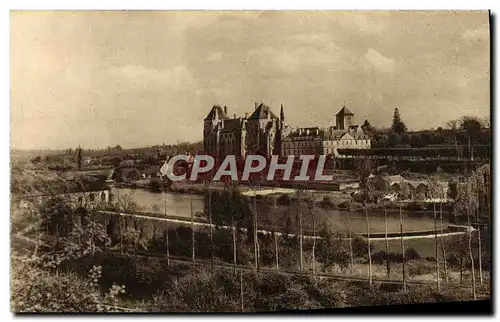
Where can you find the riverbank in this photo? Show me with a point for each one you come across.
(448, 231)
(327, 200)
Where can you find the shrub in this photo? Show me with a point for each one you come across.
(360, 246)
(326, 203)
(411, 254)
(421, 267)
(284, 200)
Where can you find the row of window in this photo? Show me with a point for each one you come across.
(347, 142)
(327, 143)
(297, 144)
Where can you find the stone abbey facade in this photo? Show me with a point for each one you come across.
(265, 133)
(260, 133)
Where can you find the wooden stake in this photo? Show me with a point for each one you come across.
(211, 228)
(351, 253)
(369, 247)
(438, 281)
(314, 240)
(192, 228)
(443, 251)
(470, 253)
(276, 250)
(241, 292)
(388, 264)
(479, 238)
(402, 246)
(166, 220)
(300, 232)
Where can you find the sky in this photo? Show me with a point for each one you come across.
(102, 78)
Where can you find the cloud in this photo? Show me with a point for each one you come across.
(372, 23)
(214, 56)
(177, 77)
(299, 52)
(379, 61)
(276, 59)
(161, 75)
(482, 33)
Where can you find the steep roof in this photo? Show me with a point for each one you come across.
(262, 112)
(345, 111)
(395, 179)
(334, 134)
(357, 132)
(216, 112)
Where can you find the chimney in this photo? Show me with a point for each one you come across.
(246, 115)
(234, 116)
(225, 109)
(256, 105)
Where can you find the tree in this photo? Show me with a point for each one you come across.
(332, 250)
(79, 158)
(405, 139)
(452, 125)
(229, 208)
(416, 141)
(394, 139)
(34, 289)
(472, 126)
(367, 127)
(486, 122)
(36, 159)
(397, 124)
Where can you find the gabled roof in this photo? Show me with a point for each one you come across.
(262, 112)
(334, 134)
(395, 179)
(216, 113)
(357, 132)
(346, 136)
(345, 111)
(417, 183)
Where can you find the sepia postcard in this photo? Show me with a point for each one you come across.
(250, 161)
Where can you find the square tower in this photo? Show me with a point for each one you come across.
(344, 118)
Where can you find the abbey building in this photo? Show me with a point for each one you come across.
(260, 133)
(266, 134)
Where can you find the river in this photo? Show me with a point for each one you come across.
(180, 205)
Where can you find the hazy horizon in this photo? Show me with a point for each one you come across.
(141, 78)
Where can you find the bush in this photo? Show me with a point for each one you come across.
(284, 200)
(360, 246)
(380, 257)
(343, 205)
(326, 203)
(411, 254)
(421, 267)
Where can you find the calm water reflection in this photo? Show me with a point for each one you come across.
(179, 205)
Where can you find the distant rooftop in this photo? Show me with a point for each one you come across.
(216, 113)
(262, 112)
(344, 111)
